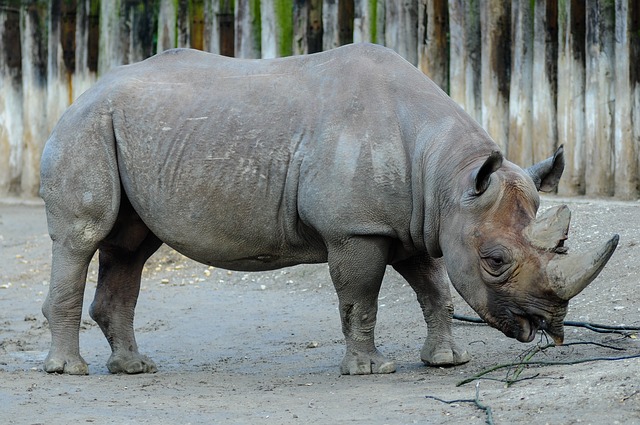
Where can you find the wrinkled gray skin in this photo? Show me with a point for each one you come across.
(351, 157)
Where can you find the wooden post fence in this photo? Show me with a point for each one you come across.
(535, 74)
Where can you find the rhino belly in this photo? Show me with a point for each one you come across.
(220, 202)
(236, 233)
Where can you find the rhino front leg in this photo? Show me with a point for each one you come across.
(122, 256)
(357, 267)
(428, 278)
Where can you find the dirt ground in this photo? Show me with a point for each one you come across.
(264, 348)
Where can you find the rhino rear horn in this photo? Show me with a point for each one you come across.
(550, 229)
(546, 174)
(570, 274)
(483, 175)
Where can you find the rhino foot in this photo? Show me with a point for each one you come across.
(358, 363)
(444, 356)
(72, 365)
(132, 363)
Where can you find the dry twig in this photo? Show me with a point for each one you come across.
(476, 401)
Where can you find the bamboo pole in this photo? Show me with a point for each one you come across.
(86, 47)
(457, 51)
(599, 97)
(226, 27)
(277, 28)
(11, 124)
(330, 25)
(34, 84)
(626, 178)
(183, 25)
(545, 36)
(60, 60)
(247, 29)
(268, 26)
(473, 92)
(464, 41)
(196, 24)
(314, 34)
(520, 149)
(167, 25)
(307, 26)
(127, 32)
(571, 100)
(112, 51)
(381, 21)
(211, 26)
(634, 58)
(301, 27)
(433, 27)
(401, 29)
(364, 21)
(138, 33)
(495, 16)
(345, 21)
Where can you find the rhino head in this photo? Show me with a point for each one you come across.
(493, 237)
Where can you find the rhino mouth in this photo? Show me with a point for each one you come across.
(522, 327)
(528, 327)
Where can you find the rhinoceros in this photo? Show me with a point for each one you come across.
(351, 157)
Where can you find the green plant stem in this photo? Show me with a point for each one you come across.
(543, 363)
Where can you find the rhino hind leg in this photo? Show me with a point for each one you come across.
(428, 278)
(357, 267)
(121, 257)
(63, 309)
(80, 192)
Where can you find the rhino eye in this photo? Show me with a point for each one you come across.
(496, 262)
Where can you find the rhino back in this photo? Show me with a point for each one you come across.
(242, 161)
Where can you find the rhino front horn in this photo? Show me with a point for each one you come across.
(570, 274)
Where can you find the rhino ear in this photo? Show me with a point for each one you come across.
(546, 174)
(483, 175)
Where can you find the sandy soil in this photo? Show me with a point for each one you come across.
(264, 348)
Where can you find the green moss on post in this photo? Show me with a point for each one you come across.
(373, 19)
(226, 7)
(176, 29)
(562, 12)
(196, 18)
(284, 26)
(254, 7)
(94, 8)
